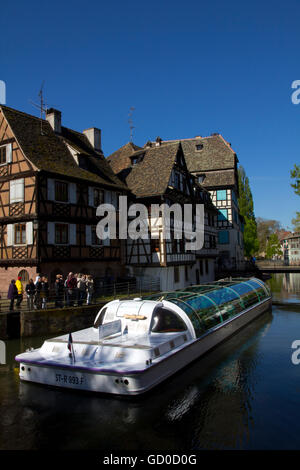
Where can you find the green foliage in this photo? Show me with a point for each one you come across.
(295, 174)
(251, 244)
(246, 206)
(273, 246)
(296, 222)
(265, 228)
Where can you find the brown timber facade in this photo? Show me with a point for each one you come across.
(51, 181)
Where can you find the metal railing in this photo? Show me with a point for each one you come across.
(76, 297)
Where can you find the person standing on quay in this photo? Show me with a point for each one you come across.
(30, 290)
(44, 291)
(19, 286)
(12, 294)
(90, 289)
(59, 291)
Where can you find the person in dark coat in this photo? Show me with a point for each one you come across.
(12, 294)
(44, 291)
(59, 291)
(30, 290)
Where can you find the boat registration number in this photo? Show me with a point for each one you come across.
(69, 379)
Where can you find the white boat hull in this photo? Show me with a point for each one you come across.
(135, 382)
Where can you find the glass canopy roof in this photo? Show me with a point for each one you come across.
(208, 305)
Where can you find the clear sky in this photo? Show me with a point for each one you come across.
(188, 67)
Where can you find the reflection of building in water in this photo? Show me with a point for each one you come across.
(291, 282)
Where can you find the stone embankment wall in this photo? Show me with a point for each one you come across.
(48, 322)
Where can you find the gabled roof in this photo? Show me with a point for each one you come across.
(151, 176)
(216, 153)
(48, 151)
(216, 159)
(119, 160)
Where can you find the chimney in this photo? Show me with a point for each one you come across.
(94, 137)
(53, 116)
(158, 142)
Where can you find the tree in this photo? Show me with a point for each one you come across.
(273, 246)
(296, 222)
(246, 207)
(265, 228)
(295, 174)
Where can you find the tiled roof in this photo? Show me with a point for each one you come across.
(151, 176)
(49, 152)
(219, 178)
(216, 159)
(119, 160)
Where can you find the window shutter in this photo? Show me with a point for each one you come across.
(12, 191)
(9, 153)
(19, 190)
(29, 233)
(51, 233)
(107, 197)
(88, 235)
(51, 190)
(9, 241)
(106, 242)
(91, 196)
(114, 199)
(73, 193)
(72, 234)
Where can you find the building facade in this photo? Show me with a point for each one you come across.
(158, 174)
(213, 162)
(51, 181)
(291, 249)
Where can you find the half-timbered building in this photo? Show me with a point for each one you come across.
(214, 163)
(51, 181)
(157, 174)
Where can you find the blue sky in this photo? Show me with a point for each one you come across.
(189, 68)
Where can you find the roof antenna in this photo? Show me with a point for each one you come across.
(130, 122)
(41, 106)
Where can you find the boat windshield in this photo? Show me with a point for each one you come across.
(165, 321)
(210, 305)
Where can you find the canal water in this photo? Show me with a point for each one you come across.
(243, 395)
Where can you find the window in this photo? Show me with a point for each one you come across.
(20, 234)
(16, 190)
(154, 242)
(61, 234)
(165, 321)
(206, 266)
(61, 191)
(222, 215)
(223, 236)
(221, 195)
(2, 154)
(98, 197)
(199, 146)
(95, 240)
(201, 266)
(201, 178)
(176, 274)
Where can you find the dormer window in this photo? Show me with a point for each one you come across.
(137, 159)
(199, 146)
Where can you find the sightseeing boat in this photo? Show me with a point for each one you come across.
(136, 344)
